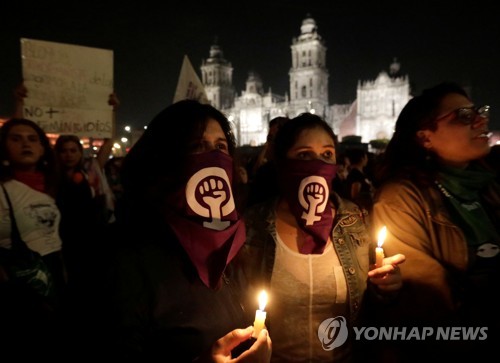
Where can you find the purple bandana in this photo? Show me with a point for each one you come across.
(204, 216)
(306, 185)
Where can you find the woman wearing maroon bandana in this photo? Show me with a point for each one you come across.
(28, 174)
(310, 249)
(174, 291)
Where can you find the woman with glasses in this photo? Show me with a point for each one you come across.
(441, 206)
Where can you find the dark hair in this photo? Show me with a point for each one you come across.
(290, 131)
(62, 140)
(114, 164)
(153, 167)
(356, 155)
(342, 158)
(46, 165)
(278, 121)
(404, 156)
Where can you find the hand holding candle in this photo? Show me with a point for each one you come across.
(260, 315)
(379, 252)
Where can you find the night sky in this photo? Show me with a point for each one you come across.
(433, 40)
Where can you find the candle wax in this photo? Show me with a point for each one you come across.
(258, 324)
(379, 256)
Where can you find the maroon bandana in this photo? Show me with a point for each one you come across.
(204, 218)
(33, 179)
(306, 185)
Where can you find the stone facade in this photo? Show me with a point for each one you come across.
(372, 115)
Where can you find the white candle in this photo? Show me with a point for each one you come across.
(379, 252)
(260, 315)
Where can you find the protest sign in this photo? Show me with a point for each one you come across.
(68, 87)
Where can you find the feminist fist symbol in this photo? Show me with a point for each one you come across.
(316, 191)
(213, 185)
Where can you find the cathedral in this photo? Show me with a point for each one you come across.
(371, 116)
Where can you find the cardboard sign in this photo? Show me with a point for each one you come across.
(68, 87)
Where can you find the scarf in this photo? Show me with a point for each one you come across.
(306, 186)
(462, 189)
(203, 215)
(33, 179)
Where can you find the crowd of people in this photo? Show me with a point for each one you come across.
(163, 253)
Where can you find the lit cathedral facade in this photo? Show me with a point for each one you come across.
(372, 115)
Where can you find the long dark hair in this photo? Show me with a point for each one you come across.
(153, 167)
(404, 156)
(288, 133)
(47, 163)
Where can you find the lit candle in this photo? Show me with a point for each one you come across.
(260, 315)
(379, 252)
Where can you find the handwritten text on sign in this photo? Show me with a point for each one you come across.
(68, 87)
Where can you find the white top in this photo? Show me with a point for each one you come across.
(306, 290)
(37, 218)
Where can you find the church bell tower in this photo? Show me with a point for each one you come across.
(308, 74)
(217, 78)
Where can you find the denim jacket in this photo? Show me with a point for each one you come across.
(350, 238)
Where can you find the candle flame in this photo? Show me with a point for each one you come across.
(262, 300)
(381, 236)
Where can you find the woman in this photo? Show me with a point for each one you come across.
(86, 203)
(309, 249)
(112, 171)
(173, 290)
(442, 209)
(358, 183)
(28, 174)
(85, 200)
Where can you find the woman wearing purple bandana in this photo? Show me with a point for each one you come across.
(174, 294)
(309, 249)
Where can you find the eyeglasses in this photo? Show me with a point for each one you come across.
(467, 115)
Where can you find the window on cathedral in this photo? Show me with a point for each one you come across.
(304, 92)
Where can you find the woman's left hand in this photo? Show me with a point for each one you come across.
(387, 278)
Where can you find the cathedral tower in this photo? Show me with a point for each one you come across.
(217, 78)
(309, 75)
